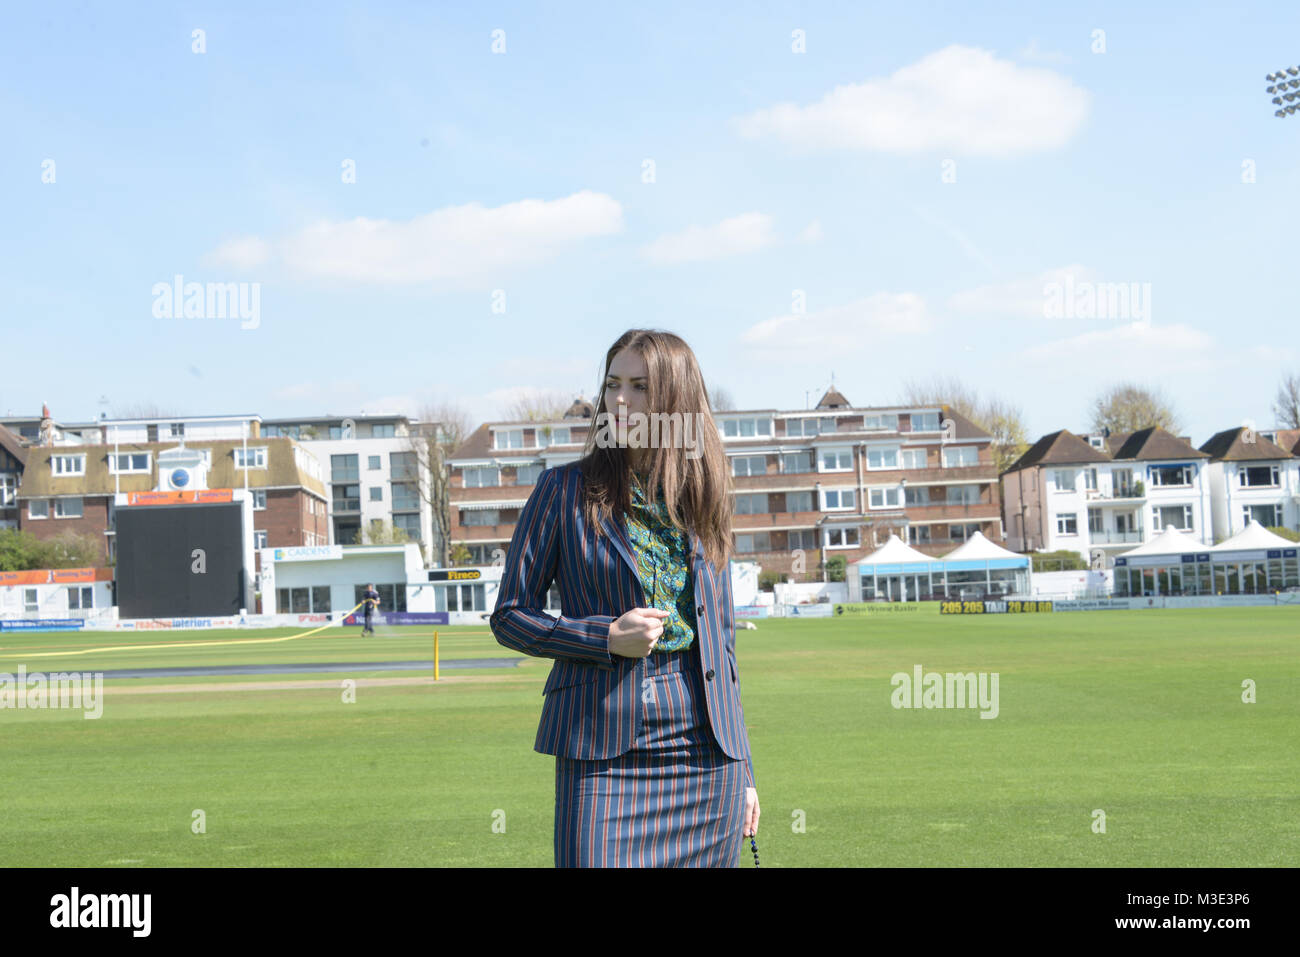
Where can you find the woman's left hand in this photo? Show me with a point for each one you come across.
(751, 812)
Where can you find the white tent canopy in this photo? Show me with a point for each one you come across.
(978, 547)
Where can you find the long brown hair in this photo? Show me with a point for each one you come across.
(697, 491)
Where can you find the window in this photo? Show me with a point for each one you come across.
(509, 439)
(840, 460)
(405, 496)
(887, 421)
(81, 597)
(1257, 476)
(963, 494)
(837, 498)
(38, 508)
(805, 538)
(1095, 525)
(343, 468)
(480, 516)
(1067, 524)
(918, 534)
(67, 508)
(916, 496)
(558, 436)
(259, 499)
(403, 466)
(798, 502)
(320, 597)
(125, 462)
(29, 600)
(963, 532)
(373, 462)
(1179, 516)
(884, 497)
(1090, 479)
(754, 542)
(884, 458)
(463, 598)
(259, 538)
(528, 474)
(336, 432)
(388, 431)
(1266, 515)
(1064, 480)
(754, 504)
(408, 522)
(841, 537)
(253, 458)
(347, 498)
(176, 430)
(68, 464)
(742, 428)
(482, 477)
(377, 494)
(1096, 442)
(792, 462)
(749, 465)
(8, 489)
(809, 426)
(960, 456)
(306, 600)
(1167, 475)
(925, 421)
(913, 459)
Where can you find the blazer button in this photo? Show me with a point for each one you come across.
(700, 609)
(708, 675)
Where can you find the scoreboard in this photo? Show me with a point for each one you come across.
(1007, 606)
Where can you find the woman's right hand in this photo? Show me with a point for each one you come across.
(635, 634)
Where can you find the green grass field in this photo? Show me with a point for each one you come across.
(1138, 714)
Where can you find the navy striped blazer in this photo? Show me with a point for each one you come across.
(593, 698)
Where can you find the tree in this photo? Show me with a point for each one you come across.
(381, 532)
(1286, 407)
(998, 417)
(538, 407)
(720, 400)
(439, 430)
(22, 551)
(1129, 407)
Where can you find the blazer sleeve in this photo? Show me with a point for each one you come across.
(731, 616)
(518, 621)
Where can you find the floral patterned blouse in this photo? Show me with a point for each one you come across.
(663, 563)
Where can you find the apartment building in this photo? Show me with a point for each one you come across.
(78, 484)
(810, 484)
(376, 473)
(1251, 477)
(1102, 494)
(13, 459)
(492, 473)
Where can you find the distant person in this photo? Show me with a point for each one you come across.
(370, 599)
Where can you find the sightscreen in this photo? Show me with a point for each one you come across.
(156, 575)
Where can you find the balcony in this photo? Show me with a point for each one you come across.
(1124, 495)
(342, 505)
(1116, 538)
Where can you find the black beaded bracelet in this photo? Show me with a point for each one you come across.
(753, 845)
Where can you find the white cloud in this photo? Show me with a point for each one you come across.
(1020, 298)
(741, 234)
(812, 232)
(958, 100)
(456, 243)
(246, 253)
(1133, 349)
(853, 328)
(1035, 55)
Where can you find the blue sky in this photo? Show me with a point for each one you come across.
(781, 180)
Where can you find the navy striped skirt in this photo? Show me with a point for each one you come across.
(673, 800)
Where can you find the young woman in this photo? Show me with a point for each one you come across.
(642, 709)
